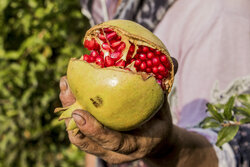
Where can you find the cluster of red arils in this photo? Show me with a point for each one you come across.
(107, 49)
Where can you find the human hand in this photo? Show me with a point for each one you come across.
(118, 147)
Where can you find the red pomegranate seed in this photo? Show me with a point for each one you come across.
(115, 44)
(105, 46)
(91, 59)
(149, 63)
(118, 38)
(97, 46)
(129, 57)
(156, 61)
(152, 49)
(150, 55)
(101, 54)
(161, 68)
(86, 58)
(132, 48)
(143, 56)
(163, 58)
(145, 49)
(121, 47)
(165, 74)
(157, 52)
(102, 37)
(148, 70)
(109, 61)
(137, 62)
(137, 68)
(120, 63)
(111, 35)
(159, 76)
(143, 66)
(107, 30)
(99, 61)
(94, 53)
(155, 70)
(137, 56)
(116, 55)
(167, 65)
(90, 44)
(139, 49)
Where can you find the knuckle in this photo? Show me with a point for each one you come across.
(72, 140)
(76, 140)
(128, 145)
(84, 146)
(114, 146)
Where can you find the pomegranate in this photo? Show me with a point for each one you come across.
(123, 80)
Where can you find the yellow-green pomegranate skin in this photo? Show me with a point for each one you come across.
(118, 99)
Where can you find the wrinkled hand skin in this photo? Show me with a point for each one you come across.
(118, 147)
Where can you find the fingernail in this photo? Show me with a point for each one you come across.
(63, 85)
(78, 119)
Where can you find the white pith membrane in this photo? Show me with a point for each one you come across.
(111, 47)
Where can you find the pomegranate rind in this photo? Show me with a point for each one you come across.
(121, 101)
(139, 35)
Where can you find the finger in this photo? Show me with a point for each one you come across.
(107, 138)
(85, 144)
(66, 96)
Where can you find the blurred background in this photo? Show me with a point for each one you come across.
(37, 39)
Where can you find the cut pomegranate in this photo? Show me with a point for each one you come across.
(115, 52)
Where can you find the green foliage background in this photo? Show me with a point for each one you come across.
(37, 38)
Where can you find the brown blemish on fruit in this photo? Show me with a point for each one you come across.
(97, 101)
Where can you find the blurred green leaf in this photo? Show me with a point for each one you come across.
(245, 120)
(244, 99)
(242, 111)
(228, 108)
(212, 110)
(37, 39)
(226, 134)
(210, 122)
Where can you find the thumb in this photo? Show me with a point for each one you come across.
(79, 119)
(66, 96)
(86, 123)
